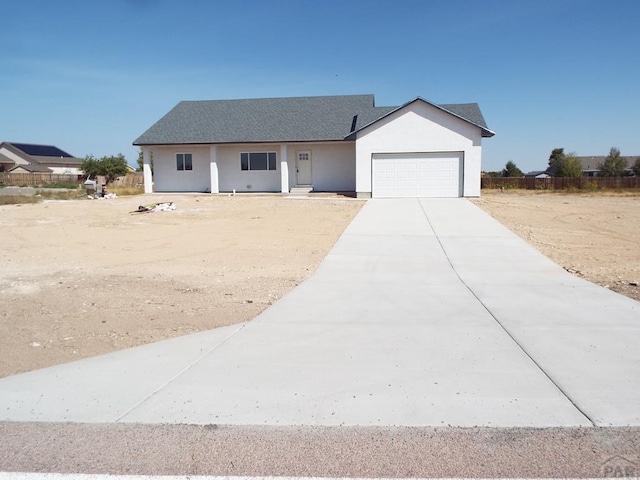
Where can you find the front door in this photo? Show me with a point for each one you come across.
(303, 168)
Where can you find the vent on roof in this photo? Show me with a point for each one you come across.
(354, 123)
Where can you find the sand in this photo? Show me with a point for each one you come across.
(85, 277)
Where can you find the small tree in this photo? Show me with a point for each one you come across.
(111, 167)
(511, 170)
(141, 161)
(557, 154)
(569, 166)
(635, 168)
(614, 165)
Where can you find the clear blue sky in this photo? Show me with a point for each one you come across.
(90, 76)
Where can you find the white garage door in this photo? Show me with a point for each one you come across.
(417, 174)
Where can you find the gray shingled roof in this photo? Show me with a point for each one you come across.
(48, 160)
(295, 119)
(467, 111)
(33, 168)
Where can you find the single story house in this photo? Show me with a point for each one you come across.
(32, 158)
(591, 165)
(327, 144)
(537, 174)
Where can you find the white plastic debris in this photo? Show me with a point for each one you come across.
(164, 207)
(156, 207)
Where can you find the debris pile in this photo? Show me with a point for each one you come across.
(156, 207)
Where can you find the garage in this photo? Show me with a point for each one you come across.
(417, 174)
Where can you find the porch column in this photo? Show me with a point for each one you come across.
(146, 170)
(213, 168)
(284, 169)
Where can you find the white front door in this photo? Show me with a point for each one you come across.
(303, 168)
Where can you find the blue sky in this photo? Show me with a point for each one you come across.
(91, 76)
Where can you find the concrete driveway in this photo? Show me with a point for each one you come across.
(427, 312)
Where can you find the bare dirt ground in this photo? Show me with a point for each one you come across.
(595, 236)
(80, 278)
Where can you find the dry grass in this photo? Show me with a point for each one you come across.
(125, 191)
(18, 199)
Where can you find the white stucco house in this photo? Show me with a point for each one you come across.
(326, 144)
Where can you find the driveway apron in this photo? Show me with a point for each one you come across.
(427, 312)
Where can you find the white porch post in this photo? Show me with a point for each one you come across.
(284, 169)
(213, 167)
(146, 170)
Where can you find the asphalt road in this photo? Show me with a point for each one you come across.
(400, 452)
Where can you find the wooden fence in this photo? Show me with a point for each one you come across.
(35, 179)
(561, 183)
(130, 180)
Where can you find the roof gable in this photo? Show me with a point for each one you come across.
(292, 119)
(468, 112)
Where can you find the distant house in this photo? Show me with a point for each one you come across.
(591, 165)
(32, 158)
(537, 174)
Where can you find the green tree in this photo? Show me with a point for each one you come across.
(111, 167)
(614, 165)
(635, 168)
(556, 155)
(569, 166)
(511, 170)
(141, 161)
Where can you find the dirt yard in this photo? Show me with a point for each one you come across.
(594, 236)
(80, 278)
(85, 277)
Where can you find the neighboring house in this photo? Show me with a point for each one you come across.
(591, 165)
(330, 144)
(537, 174)
(30, 158)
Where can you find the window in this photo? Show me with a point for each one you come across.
(258, 161)
(183, 161)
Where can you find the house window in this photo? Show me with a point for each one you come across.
(183, 161)
(258, 161)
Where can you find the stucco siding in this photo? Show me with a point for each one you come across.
(333, 166)
(167, 178)
(420, 127)
(232, 177)
(64, 170)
